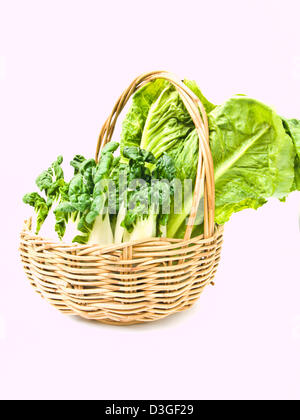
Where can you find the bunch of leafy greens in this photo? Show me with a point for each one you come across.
(256, 156)
(256, 153)
(109, 202)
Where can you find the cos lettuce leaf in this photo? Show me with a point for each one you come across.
(133, 124)
(195, 88)
(157, 117)
(167, 123)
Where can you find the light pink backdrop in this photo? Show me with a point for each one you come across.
(62, 66)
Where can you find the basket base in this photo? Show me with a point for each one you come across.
(120, 324)
(123, 323)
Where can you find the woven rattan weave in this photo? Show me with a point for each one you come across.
(140, 281)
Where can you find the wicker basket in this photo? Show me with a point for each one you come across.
(134, 282)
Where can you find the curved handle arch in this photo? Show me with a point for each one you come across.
(204, 184)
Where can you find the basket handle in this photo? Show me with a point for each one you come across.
(205, 170)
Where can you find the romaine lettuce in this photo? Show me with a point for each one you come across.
(254, 153)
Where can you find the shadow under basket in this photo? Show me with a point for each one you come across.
(136, 282)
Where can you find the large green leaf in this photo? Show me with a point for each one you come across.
(254, 156)
(253, 159)
(157, 118)
(195, 88)
(133, 124)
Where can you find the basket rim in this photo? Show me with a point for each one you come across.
(104, 249)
